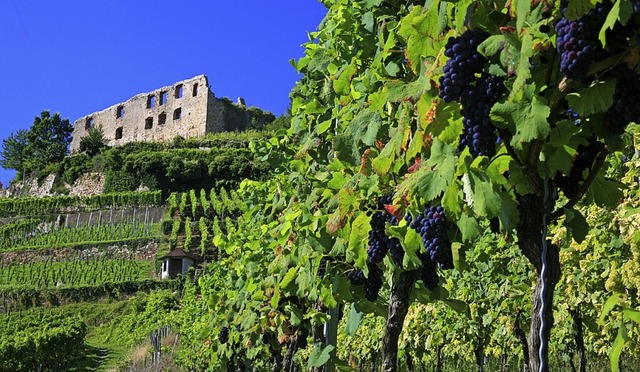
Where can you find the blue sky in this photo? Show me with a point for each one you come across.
(76, 57)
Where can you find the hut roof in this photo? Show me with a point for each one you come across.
(179, 253)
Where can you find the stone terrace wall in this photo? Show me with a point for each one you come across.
(178, 109)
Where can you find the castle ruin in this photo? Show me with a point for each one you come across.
(187, 108)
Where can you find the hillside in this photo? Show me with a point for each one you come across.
(86, 262)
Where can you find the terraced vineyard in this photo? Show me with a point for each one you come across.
(90, 272)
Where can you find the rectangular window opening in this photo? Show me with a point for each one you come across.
(162, 118)
(88, 123)
(177, 113)
(163, 98)
(151, 101)
(148, 123)
(178, 92)
(118, 133)
(120, 112)
(195, 89)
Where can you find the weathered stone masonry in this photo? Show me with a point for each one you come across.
(187, 108)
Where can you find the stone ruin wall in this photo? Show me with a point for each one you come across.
(187, 108)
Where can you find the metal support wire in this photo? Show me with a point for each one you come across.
(542, 351)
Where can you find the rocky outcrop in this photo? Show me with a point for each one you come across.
(86, 185)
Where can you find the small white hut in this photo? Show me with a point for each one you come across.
(177, 262)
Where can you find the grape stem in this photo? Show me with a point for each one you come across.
(598, 162)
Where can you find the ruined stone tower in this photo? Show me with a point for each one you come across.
(187, 108)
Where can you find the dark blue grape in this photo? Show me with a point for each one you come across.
(356, 277)
(577, 41)
(626, 103)
(428, 272)
(432, 226)
(464, 62)
(223, 336)
(379, 242)
(478, 133)
(371, 284)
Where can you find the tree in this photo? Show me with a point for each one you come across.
(14, 151)
(94, 141)
(46, 142)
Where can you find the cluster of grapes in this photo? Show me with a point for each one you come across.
(577, 41)
(223, 336)
(464, 63)
(584, 160)
(371, 284)
(626, 107)
(379, 242)
(432, 225)
(428, 272)
(478, 133)
(477, 95)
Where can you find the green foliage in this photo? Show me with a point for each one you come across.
(46, 142)
(16, 207)
(119, 181)
(14, 151)
(94, 141)
(90, 272)
(22, 236)
(28, 346)
(367, 120)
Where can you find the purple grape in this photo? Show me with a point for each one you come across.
(464, 62)
(478, 134)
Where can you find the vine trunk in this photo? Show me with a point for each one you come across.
(533, 210)
(398, 307)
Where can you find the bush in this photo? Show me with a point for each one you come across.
(118, 181)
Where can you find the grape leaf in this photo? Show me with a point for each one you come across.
(442, 165)
(319, 356)
(605, 192)
(480, 194)
(457, 305)
(577, 224)
(527, 119)
(492, 45)
(632, 315)
(621, 11)
(608, 306)
(523, 8)
(596, 98)
(469, 227)
(419, 29)
(353, 321)
(523, 71)
(288, 278)
(368, 21)
(382, 163)
(451, 200)
(342, 85)
(356, 250)
(577, 8)
(399, 91)
(618, 345)
(364, 127)
(392, 69)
